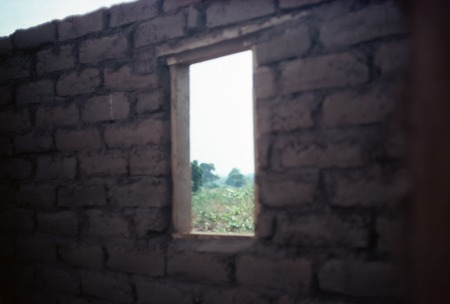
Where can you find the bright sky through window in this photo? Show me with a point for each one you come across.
(221, 113)
(22, 14)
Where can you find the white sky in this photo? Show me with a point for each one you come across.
(22, 14)
(222, 113)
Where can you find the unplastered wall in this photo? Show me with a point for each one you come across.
(85, 169)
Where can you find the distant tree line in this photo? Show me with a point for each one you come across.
(203, 176)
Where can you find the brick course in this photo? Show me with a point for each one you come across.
(107, 286)
(32, 143)
(198, 266)
(143, 133)
(15, 67)
(36, 92)
(127, 79)
(366, 279)
(86, 181)
(322, 230)
(139, 261)
(150, 220)
(140, 192)
(221, 13)
(324, 72)
(78, 83)
(292, 43)
(103, 164)
(62, 223)
(35, 36)
(86, 194)
(106, 224)
(159, 29)
(58, 167)
(366, 24)
(81, 25)
(286, 274)
(154, 292)
(128, 13)
(82, 255)
(110, 47)
(107, 107)
(55, 60)
(346, 108)
(36, 196)
(57, 116)
(78, 140)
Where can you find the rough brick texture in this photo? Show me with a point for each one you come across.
(82, 255)
(346, 108)
(286, 274)
(103, 164)
(366, 279)
(5, 45)
(86, 180)
(221, 13)
(35, 36)
(159, 29)
(55, 60)
(35, 92)
(107, 286)
(147, 221)
(106, 224)
(78, 83)
(128, 13)
(85, 194)
(36, 196)
(197, 266)
(108, 107)
(144, 133)
(324, 72)
(154, 292)
(125, 78)
(141, 192)
(110, 47)
(369, 23)
(77, 140)
(57, 116)
(81, 25)
(324, 230)
(33, 142)
(139, 261)
(292, 43)
(14, 68)
(64, 223)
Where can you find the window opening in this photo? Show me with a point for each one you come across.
(222, 144)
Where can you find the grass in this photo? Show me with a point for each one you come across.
(223, 209)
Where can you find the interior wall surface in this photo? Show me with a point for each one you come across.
(85, 156)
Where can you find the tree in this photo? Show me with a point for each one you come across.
(197, 174)
(235, 178)
(208, 174)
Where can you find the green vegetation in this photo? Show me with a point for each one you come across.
(235, 178)
(196, 173)
(220, 205)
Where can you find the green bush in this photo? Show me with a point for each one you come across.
(223, 209)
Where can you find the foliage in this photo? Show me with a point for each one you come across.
(235, 178)
(209, 177)
(223, 209)
(196, 173)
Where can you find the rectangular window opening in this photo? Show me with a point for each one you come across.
(221, 145)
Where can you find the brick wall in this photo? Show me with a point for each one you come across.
(85, 180)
